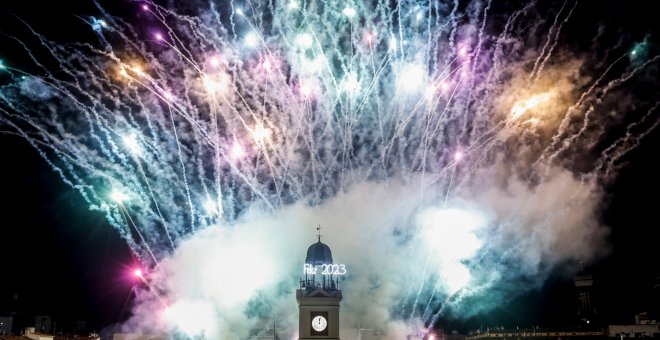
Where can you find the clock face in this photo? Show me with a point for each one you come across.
(319, 323)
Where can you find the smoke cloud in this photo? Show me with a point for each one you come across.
(496, 235)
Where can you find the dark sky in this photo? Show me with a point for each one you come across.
(61, 259)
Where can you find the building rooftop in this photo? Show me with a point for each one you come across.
(318, 253)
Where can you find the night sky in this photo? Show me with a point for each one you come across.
(58, 258)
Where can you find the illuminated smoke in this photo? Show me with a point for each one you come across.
(445, 159)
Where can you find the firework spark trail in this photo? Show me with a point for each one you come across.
(567, 115)
(598, 100)
(626, 143)
(547, 41)
(427, 309)
(480, 118)
(67, 164)
(444, 306)
(77, 183)
(554, 42)
(472, 63)
(207, 117)
(454, 27)
(422, 282)
(423, 276)
(131, 223)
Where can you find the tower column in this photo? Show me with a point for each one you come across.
(318, 296)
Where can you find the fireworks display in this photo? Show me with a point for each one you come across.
(450, 151)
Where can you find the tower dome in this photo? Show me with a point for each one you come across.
(318, 253)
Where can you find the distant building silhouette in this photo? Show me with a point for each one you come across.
(42, 323)
(643, 328)
(586, 309)
(535, 333)
(5, 325)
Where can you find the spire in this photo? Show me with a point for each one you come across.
(319, 231)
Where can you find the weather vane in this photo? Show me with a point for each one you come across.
(319, 232)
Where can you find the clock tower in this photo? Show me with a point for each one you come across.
(319, 294)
